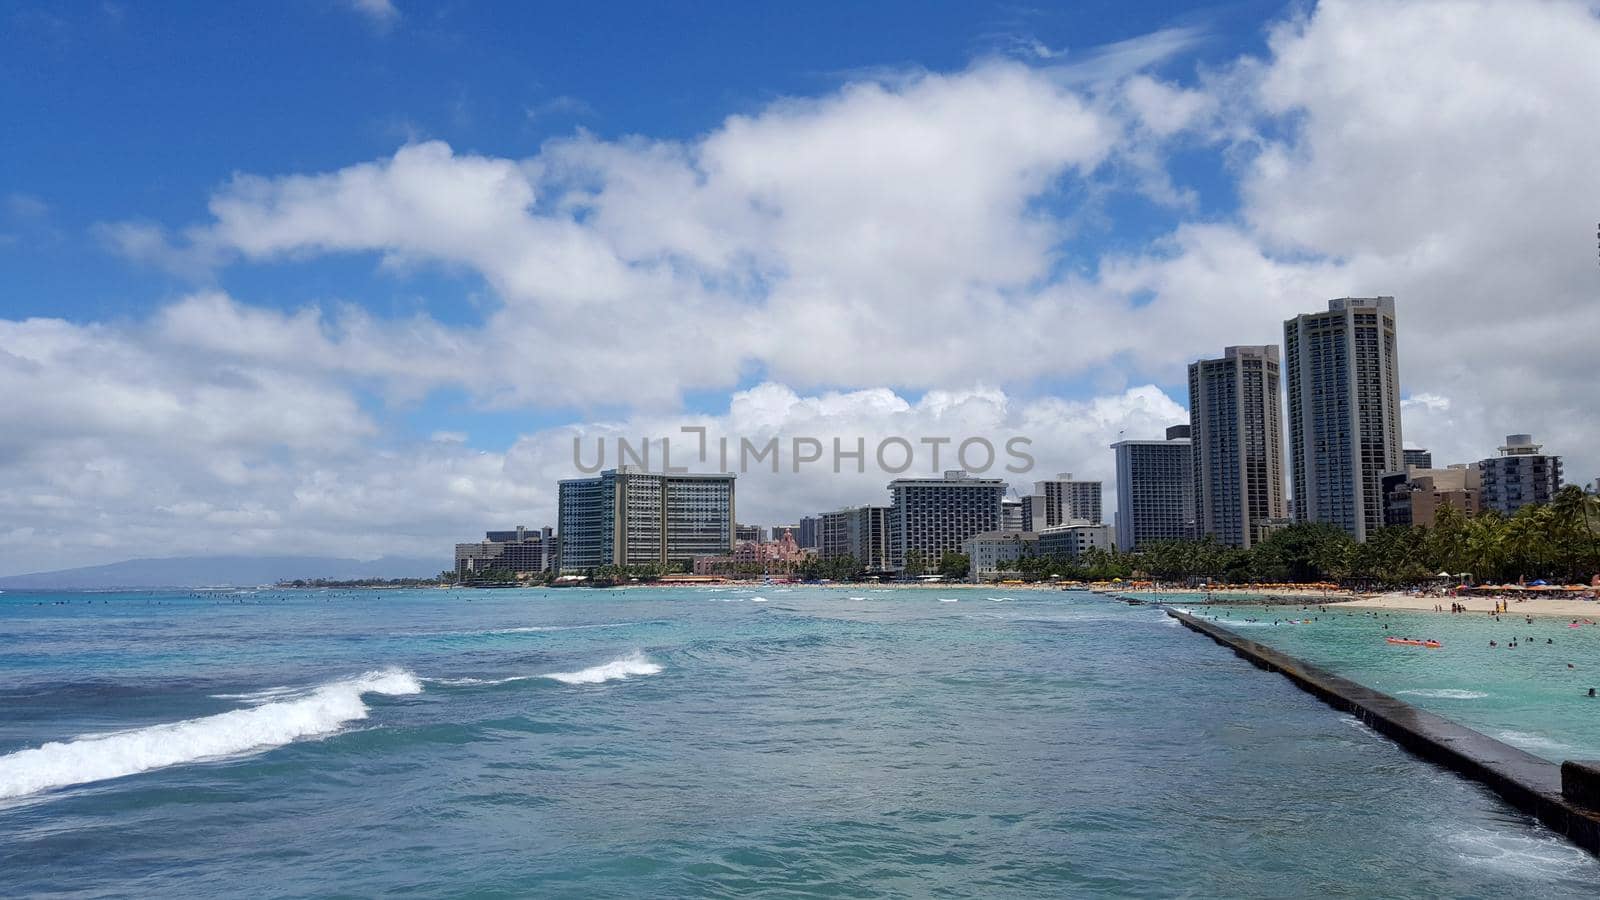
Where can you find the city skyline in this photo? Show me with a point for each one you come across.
(396, 287)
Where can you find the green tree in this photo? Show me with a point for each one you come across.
(954, 565)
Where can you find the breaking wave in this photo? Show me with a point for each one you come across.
(270, 723)
(617, 669)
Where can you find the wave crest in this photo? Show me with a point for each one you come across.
(617, 669)
(271, 723)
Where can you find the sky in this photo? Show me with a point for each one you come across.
(349, 277)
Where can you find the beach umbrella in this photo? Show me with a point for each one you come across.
(1538, 582)
(1444, 575)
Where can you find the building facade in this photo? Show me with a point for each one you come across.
(1411, 457)
(1344, 411)
(1011, 514)
(519, 551)
(1415, 496)
(1073, 541)
(1520, 475)
(1155, 489)
(860, 532)
(1236, 443)
(1062, 500)
(934, 516)
(987, 551)
(807, 535)
(629, 517)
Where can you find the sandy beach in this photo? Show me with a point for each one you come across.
(1565, 607)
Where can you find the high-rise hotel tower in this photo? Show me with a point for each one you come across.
(1236, 436)
(1344, 411)
(628, 517)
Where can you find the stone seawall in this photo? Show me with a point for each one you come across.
(1528, 782)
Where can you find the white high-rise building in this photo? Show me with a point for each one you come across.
(934, 516)
(1236, 440)
(1063, 501)
(1343, 387)
(1155, 489)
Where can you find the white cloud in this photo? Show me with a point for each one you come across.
(382, 13)
(125, 441)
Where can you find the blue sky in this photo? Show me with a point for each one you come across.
(247, 251)
(130, 113)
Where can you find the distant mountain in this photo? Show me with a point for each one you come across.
(221, 571)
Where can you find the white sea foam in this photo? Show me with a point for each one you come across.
(855, 598)
(1445, 693)
(472, 682)
(949, 599)
(1525, 855)
(758, 600)
(1002, 599)
(1529, 741)
(521, 629)
(636, 664)
(267, 695)
(319, 711)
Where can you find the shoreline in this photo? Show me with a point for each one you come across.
(1558, 607)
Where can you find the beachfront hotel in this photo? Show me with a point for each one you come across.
(1155, 489)
(1343, 388)
(934, 516)
(1520, 475)
(1061, 500)
(521, 550)
(1236, 443)
(859, 532)
(628, 517)
(988, 551)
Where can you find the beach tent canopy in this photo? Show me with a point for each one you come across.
(1538, 582)
(1444, 575)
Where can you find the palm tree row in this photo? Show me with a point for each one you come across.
(1558, 541)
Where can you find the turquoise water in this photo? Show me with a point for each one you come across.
(803, 742)
(1533, 695)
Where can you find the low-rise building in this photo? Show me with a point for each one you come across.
(519, 551)
(987, 552)
(1415, 496)
(1073, 541)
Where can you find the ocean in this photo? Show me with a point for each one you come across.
(1529, 690)
(776, 741)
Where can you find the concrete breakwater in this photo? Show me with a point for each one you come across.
(1529, 783)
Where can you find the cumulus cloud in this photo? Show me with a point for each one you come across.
(123, 442)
